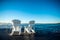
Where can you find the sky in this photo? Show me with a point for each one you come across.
(42, 11)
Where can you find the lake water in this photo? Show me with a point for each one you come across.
(43, 32)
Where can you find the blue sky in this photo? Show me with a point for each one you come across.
(42, 11)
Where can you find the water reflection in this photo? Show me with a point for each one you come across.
(28, 36)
